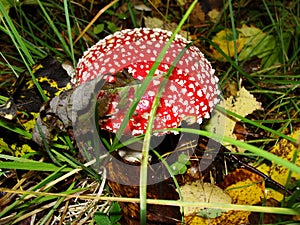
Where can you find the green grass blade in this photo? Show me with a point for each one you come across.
(14, 35)
(66, 9)
(146, 143)
(64, 45)
(17, 130)
(234, 33)
(37, 166)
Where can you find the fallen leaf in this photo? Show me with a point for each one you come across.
(153, 22)
(156, 2)
(232, 218)
(202, 192)
(252, 35)
(197, 15)
(243, 104)
(225, 40)
(250, 41)
(213, 15)
(257, 43)
(280, 174)
(268, 218)
(244, 187)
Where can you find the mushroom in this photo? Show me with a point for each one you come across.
(190, 93)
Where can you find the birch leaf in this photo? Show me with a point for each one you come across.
(288, 151)
(202, 192)
(242, 186)
(243, 104)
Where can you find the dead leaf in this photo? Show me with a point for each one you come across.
(225, 40)
(156, 3)
(213, 15)
(202, 192)
(197, 15)
(280, 174)
(244, 187)
(231, 217)
(267, 218)
(240, 131)
(243, 104)
(250, 41)
(153, 22)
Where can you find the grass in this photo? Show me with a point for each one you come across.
(54, 30)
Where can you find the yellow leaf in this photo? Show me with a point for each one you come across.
(224, 39)
(245, 192)
(244, 187)
(4, 146)
(213, 14)
(29, 125)
(231, 217)
(285, 150)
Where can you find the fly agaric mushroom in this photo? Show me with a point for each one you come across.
(189, 94)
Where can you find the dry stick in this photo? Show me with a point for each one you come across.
(157, 10)
(267, 179)
(94, 19)
(237, 159)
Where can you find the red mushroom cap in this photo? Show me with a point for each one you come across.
(190, 92)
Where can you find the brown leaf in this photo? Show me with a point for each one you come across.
(244, 187)
(197, 16)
